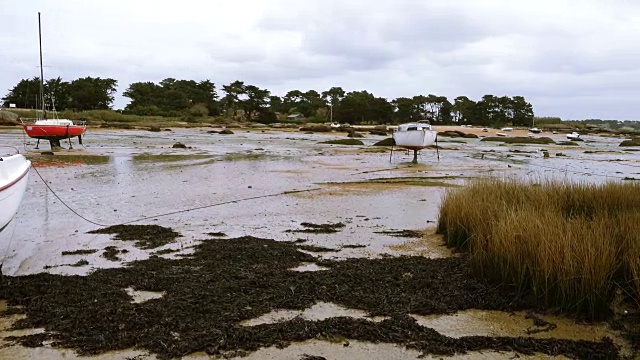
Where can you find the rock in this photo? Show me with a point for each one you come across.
(354, 134)
(385, 142)
(317, 128)
(632, 142)
(8, 117)
(343, 142)
(378, 132)
(226, 132)
(179, 146)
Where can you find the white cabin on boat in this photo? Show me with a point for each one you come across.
(55, 122)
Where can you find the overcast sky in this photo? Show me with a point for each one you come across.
(570, 58)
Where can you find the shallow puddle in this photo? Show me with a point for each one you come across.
(139, 296)
(498, 323)
(309, 267)
(319, 311)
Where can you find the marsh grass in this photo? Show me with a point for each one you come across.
(570, 245)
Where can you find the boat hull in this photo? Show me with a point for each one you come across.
(414, 139)
(573, 136)
(14, 174)
(54, 132)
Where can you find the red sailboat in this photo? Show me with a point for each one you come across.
(53, 130)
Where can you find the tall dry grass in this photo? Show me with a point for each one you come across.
(570, 245)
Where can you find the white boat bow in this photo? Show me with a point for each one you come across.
(14, 174)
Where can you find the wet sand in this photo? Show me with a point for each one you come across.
(120, 176)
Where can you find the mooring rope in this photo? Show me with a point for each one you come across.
(168, 213)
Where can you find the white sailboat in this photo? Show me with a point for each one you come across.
(414, 136)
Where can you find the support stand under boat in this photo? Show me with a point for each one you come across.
(415, 152)
(55, 144)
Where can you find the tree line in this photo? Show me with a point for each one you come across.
(172, 97)
(86, 93)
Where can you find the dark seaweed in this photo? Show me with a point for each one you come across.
(145, 236)
(401, 233)
(111, 253)
(217, 234)
(80, 252)
(319, 228)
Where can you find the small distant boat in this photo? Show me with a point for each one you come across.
(506, 129)
(485, 130)
(335, 125)
(414, 136)
(501, 134)
(574, 135)
(535, 130)
(14, 173)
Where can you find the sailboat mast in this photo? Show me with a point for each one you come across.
(41, 70)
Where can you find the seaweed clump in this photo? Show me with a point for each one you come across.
(145, 236)
(520, 140)
(319, 228)
(111, 253)
(80, 252)
(631, 142)
(401, 233)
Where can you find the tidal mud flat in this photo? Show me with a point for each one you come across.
(196, 293)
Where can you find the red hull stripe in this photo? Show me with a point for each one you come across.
(16, 180)
(53, 131)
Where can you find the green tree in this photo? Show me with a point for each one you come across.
(25, 94)
(57, 93)
(522, 111)
(403, 109)
(256, 101)
(231, 101)
(275, 104)
(90, 93)
(293, 101)
(332, 99)
(359, 107)
(144, 98)
(464, 111)
(438, 109)
(420, 109)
